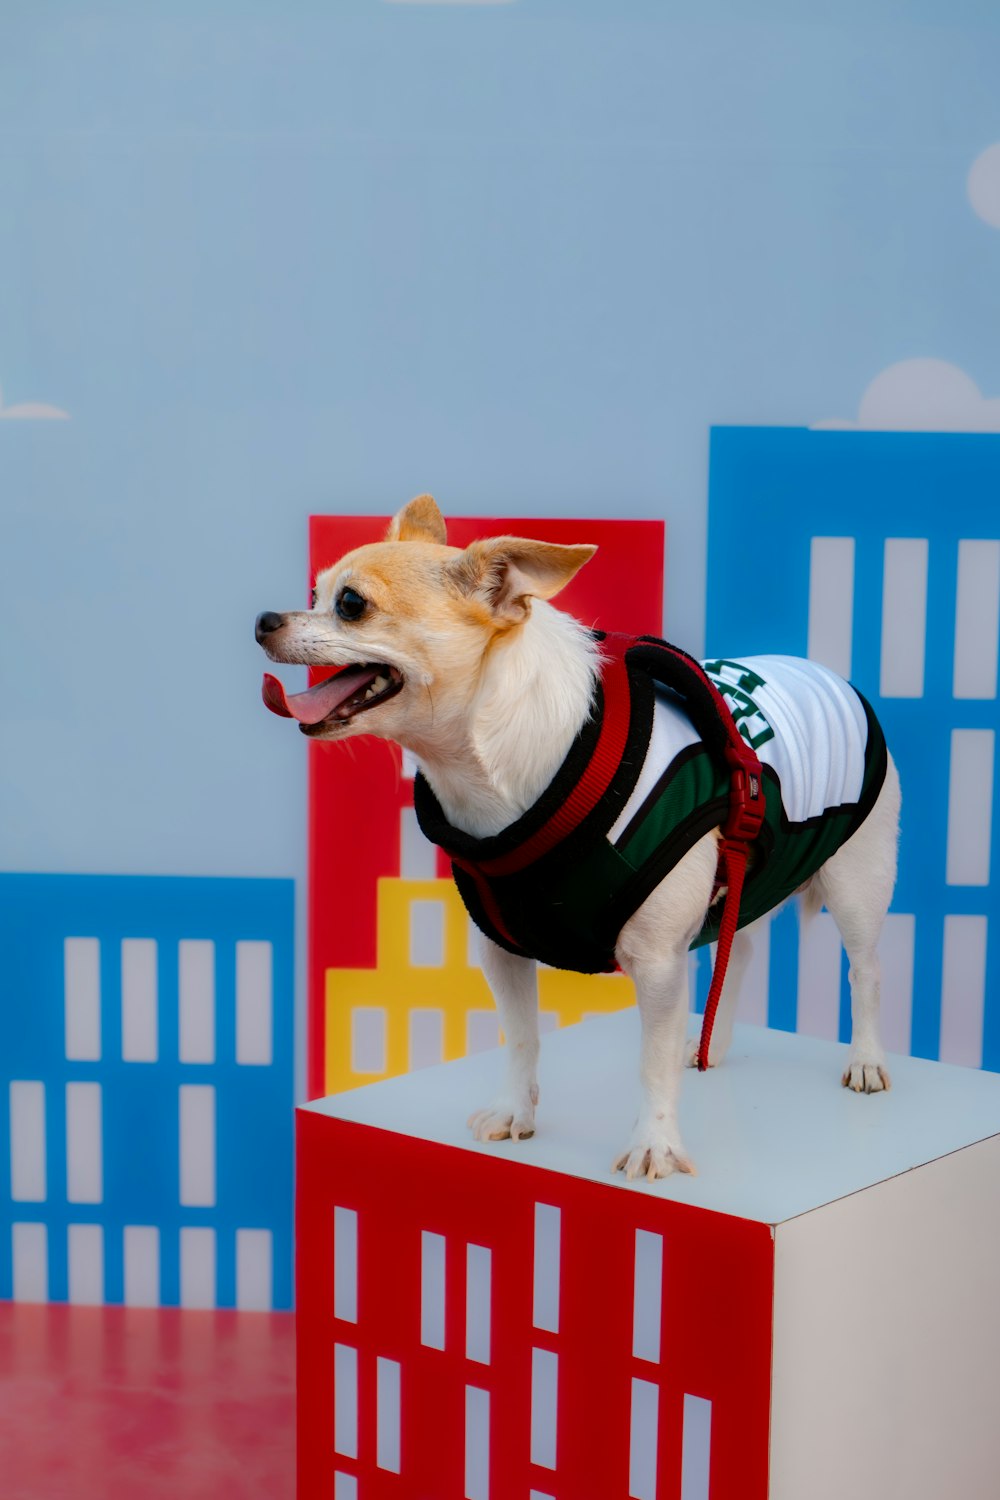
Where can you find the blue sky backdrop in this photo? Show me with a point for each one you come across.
(282, 258)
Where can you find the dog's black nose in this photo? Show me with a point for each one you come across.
(268, 623)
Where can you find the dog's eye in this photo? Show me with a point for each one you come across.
(350, 605)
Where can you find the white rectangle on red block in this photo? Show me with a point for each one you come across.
(477, 1443)
(643, 1427)
(647, 1296)
(433, 1251)
(345, 1414)
(426, 934)
(387, 1395)
(697, 1448)
(345, 1264)
(418, 856)
(544, 1407)
(478, 1303)
(546, 1267)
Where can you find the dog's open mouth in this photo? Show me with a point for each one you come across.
(349, 692)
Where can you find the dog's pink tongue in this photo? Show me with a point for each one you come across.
(317, 702)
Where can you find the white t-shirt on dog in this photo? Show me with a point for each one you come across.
(803, 720)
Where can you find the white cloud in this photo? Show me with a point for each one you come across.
(923, 395)
(983, 185)
(31, 411)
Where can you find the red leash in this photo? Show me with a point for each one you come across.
(746, 814)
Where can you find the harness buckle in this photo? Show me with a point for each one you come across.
(747, 803)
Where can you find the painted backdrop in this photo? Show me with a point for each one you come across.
(264, 261)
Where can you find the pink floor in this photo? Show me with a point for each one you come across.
(102, 1403)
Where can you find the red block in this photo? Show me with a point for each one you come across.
(569, 1293)
(814, 1314)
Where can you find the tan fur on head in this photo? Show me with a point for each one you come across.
(419, 521)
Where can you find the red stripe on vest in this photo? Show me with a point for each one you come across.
(488, 901)
(595, 780)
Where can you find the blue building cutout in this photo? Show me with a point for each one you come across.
(147, 1079)
(879, 554)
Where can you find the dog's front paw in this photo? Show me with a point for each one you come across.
(654, 1154)
(504, 1119)
(866, 1075)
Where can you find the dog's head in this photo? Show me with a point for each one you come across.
(408, 623)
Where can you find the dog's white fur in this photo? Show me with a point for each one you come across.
(497, 684)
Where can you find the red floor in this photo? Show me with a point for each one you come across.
(136, 1404)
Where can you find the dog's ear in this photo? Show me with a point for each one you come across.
(507, 572)
(420, 521)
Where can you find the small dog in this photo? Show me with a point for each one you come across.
(509, 706)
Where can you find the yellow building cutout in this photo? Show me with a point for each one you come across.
(426, 1000)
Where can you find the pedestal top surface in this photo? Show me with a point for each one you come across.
(772, 1132)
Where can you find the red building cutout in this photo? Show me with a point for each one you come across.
(457, 1341)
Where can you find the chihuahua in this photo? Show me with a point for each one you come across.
(509, 706)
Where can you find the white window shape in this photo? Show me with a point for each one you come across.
(82, 998)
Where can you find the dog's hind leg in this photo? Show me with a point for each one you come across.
(653, 951)
(514, 983)
(857, 884)
(722, 1032)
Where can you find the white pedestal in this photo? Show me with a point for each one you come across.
(817, 1313)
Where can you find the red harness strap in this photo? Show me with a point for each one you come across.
(582, 799)
(597, 777)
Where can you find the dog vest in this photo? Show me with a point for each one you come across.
(645, 779)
